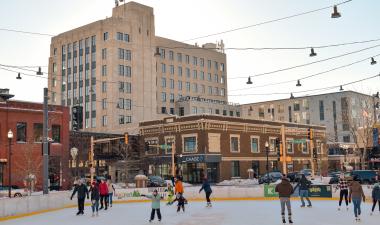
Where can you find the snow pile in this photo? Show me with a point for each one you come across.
(239, 182)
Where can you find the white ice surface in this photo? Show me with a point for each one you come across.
(222, 212)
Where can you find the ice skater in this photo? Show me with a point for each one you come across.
(181, 202)
(304, 185)
(375, 196)
(156, 199)
(82, 192)
(95, 198)
(103, 190)
(207, 188)
(356, 195)
(170, 194)
(343, 187)
(285, 190)
(111, 191)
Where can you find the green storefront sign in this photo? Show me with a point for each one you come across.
(324, 191)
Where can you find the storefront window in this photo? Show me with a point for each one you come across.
(190, 144)
(235, 169)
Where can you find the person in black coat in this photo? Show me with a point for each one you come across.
(82, 192)
(95, 196)
(207, 188)
(304, 185)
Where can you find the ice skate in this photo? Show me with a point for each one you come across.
(347, 208)
(283, 221)
(290, 221)
(339, 208)
(371, 213)
(97, 213)
(302, 206)
(78, 213)
(309, 206)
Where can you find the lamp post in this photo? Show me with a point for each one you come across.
(10, 137)
(74, 153)
(267, 154)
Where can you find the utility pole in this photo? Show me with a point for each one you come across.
(92, 169)
(173, 161)
(283, 147)
(45, 144)
(311, 152)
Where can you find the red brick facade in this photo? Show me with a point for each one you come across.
(27, 150)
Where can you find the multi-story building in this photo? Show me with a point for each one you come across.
(343, 114)
(221, 147)
(122, 73)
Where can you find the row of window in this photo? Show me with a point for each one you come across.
(201, 110)
(122, 120)
(125, 54)
(37, 136)
(201, 74)
(195, 60)
(194, 87)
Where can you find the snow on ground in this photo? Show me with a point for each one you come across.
(222, 212)
(239, 182)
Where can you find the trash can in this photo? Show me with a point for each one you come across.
(141, 181)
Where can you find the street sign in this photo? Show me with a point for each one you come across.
(299, 141)
(165, 146)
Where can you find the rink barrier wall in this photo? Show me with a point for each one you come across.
(32, 205)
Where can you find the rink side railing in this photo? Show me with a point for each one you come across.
(36, 204)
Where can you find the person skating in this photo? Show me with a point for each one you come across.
(111, 192)
(207, 188)
(170, 194)
(343, 187)
(304, 185)
(95, 198)
(103, 190)
(156, 199)
(181, 202)
(179, 188)
(356, 195)
(285, 190)
(375, 196)
(81, 191)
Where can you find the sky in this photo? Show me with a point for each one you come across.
(183, 20)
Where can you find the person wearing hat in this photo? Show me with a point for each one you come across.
(95, 196)
(156, 199)
(82, 192)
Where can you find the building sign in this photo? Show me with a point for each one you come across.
(192, 159)
(269, 191)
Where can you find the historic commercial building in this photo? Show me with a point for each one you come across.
(121, 73)
(226, 147)
(25, 120)
(345, 114)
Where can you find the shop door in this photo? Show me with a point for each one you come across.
(212, 172)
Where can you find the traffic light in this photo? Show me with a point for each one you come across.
(146, 146)
(126, 141)
(315, 155)
(77, 117)
(310, 133)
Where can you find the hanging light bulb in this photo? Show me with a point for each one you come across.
(157, 53)
(335, 14)
(291, 96)
(18, 76)
(39, 72)
(298, 83)
(312, 53)
(341, 88)
(373, 61)
(249, 80)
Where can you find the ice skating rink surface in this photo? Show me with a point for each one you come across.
(222, 212)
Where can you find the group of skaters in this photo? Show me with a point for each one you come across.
(351, 191)
(178, 192)
(101, 193)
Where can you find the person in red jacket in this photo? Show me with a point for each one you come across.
(103, 190)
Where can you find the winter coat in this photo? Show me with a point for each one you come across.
(376, 192)
(103, 188)
(206, 187)
(82, 191)
(356, 190)
(284, 189)
(179, 187)
(180, 199)
(303, 184)
(155, 200)
(111, 188)
(95, 193)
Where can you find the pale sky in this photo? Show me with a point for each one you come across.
(182, 20)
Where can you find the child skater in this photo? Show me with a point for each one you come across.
(156, 198)
(181, 202)
(170, 194)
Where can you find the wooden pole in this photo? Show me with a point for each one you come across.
(92, 160)
(173, 163)
(283, 146)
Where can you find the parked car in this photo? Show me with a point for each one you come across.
(334, 177)
(270, 177)
(365, 176)
(15, 191)
(306, 172)
(292, 176)
(156, 181)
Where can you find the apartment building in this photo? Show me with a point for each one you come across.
(121, 73)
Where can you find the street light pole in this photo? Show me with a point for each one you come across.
(267, 154)
(10, 137)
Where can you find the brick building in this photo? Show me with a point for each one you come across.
(25, 120)
(226, 147)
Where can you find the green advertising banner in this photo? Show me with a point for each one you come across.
(269, 190)
(324, 191)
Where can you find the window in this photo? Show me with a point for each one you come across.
(235, 169)
(104, 54)
(217, 111)
(104, 87)
(163, 68)
(188, 86)
(179, 85)
(209, 76)
(126, 37)
(346, 139)
(296, 106)
(171, 100)
(195, 87)
(120, 104)
(319, 147)
(171, 55)
(171, 69)
(202, 75)
(255, 145)
(224, 112)
(119, 36)
(222, 79)
(194, 110)
(104, 70)
(180, 71)
(163, 82)
(105, 36)
(195, 74)
(187, 72)
(162, 52)
(209, 64)
(37, 132)
(222, 67)
(181, 111)
(104, 121)
(272, 144)
(345, 127)
(231, 113)
(163, 110)
(128, 119)
(222, 92)
(289, 146)
(304, 148)
(121, 119)
(234, 144)
(187, 59)
(21, 132)
(171, 84)
(152, 149)
(56, 133)
(128, 87)
(104, 103)
(195, 61)
(179, 57)
(128, 104)
(121, 53)
(209, 90)
(202, 62)
(190, 144)
(163, 96)
(128, 55)
(321, 111)
(216, 78)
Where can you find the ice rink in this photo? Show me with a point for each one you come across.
(222, 212)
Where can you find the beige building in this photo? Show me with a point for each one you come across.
(121, 73)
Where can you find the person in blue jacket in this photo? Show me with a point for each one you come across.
(207, 188)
